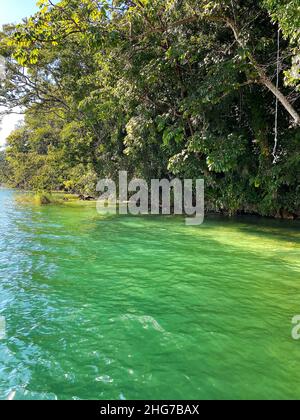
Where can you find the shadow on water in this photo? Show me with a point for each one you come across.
(281, 230)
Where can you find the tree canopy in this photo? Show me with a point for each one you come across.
(161, 88)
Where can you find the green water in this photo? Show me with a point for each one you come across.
(146, 308)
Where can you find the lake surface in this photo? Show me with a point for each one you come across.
(146, 307)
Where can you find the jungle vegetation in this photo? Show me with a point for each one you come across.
(162, 89)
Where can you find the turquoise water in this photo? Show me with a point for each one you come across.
(145, 307)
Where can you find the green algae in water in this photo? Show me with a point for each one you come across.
(145, 307)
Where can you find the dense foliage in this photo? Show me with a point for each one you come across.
(161, 88)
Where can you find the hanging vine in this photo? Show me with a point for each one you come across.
(275, 156)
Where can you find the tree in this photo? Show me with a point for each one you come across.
(160, 88)
(287, 15)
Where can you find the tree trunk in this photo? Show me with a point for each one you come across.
(263, 78)
(282, 99)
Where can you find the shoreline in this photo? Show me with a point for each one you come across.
(65, 199)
